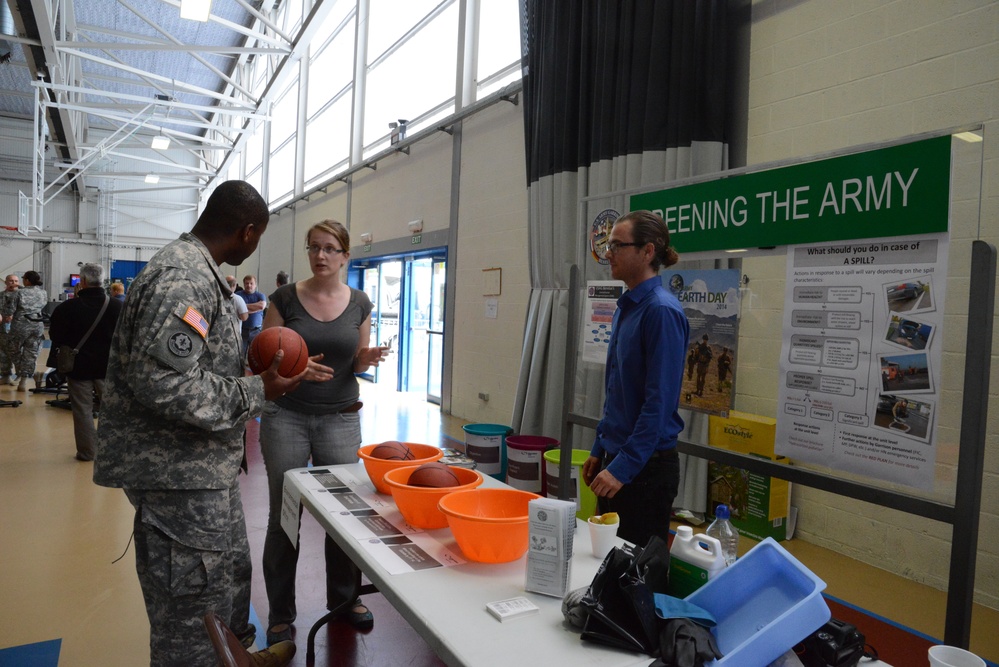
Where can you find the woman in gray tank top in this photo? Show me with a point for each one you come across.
(318, 421)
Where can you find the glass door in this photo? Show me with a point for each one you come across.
(408, 297)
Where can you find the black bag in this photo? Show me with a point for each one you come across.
(620, 607)
(65, 359)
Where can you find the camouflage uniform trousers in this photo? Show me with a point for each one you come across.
(5, 366)
(23, 342)
(192, 557)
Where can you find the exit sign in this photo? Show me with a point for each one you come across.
(417, 239)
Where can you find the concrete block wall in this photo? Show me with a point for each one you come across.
(826, 76)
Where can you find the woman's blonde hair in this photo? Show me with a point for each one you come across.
(333, 227)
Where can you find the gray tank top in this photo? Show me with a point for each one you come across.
(336, 340)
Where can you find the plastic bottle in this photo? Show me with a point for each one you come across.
(694, 559)
(722, 530)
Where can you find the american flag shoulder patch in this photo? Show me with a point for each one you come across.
(197, 321)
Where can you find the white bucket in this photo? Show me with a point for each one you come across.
(951, 656)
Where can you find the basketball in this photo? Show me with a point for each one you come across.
(436, 475)
(392, 450)
(268, 342)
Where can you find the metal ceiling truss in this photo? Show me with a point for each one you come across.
(132, 69)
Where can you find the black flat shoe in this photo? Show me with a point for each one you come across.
(361, 620)
(279, 632)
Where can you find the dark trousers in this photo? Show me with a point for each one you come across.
(646, 503)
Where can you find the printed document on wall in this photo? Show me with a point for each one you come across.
(861, 356)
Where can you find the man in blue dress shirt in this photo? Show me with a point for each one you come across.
(255, 303)
(633, 467)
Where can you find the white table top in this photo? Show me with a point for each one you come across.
(447, 605)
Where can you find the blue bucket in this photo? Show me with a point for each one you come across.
(486, 445)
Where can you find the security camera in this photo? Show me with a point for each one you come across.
(416, 226)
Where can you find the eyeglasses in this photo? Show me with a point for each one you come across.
(324, 249)
(614, 246)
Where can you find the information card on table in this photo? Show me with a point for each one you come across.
(368, 517)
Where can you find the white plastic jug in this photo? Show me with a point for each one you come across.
(693, 560)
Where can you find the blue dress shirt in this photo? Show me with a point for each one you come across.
(645, 361)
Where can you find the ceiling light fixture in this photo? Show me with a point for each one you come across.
(161, 142)
(970, 137)
(195, 10)
(152, 179)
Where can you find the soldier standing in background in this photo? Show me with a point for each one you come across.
(171, 429)
(24, 312)
(11, 284)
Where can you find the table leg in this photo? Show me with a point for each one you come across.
(310, 655)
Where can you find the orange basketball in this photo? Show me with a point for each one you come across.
(392, 450)
(268, 342)
(435, 474)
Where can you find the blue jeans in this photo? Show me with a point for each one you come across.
(288, 440)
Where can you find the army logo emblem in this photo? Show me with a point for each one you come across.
(180, 344)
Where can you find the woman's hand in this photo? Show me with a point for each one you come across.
(371, 356)
(275, 385)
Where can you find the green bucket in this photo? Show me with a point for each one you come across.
(586, 503)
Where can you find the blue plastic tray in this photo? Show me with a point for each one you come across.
(765, 603)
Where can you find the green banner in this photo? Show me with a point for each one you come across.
(896, 191)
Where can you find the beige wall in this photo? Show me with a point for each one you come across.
(832, 75)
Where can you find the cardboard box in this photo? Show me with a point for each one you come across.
(760, 505)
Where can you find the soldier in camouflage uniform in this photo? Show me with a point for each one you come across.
(26, 328)
(11, 283)
(175, 405)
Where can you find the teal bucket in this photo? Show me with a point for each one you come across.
(486, 445)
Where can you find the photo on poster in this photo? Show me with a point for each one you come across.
(908, 333)
(904, 415)
(914, 295)
(710, 300)
(906, 372)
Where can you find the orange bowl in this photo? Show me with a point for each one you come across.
(490, 525)
(376, 468)
(418, 504)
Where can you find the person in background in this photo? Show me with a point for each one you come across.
(633, 467)
(24, 312)
(316, 422)
(242, 314)
(117, 291)
(11, 285)
(282, 278)
(170, 435)
(70, 322)
(255, 304)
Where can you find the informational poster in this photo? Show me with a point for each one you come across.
(601, 302)
(860, 357)
(710, 299)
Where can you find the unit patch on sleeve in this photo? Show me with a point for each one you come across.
(180, 344)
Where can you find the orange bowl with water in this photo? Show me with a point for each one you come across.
(490, 525)
(418, 504)
(376, 468)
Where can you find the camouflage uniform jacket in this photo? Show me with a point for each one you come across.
(176, 400)
(26, 306)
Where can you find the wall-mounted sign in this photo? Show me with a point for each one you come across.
(896, 191)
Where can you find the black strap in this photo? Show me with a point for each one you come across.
(93, 326)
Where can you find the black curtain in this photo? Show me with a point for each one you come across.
(618, 94)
